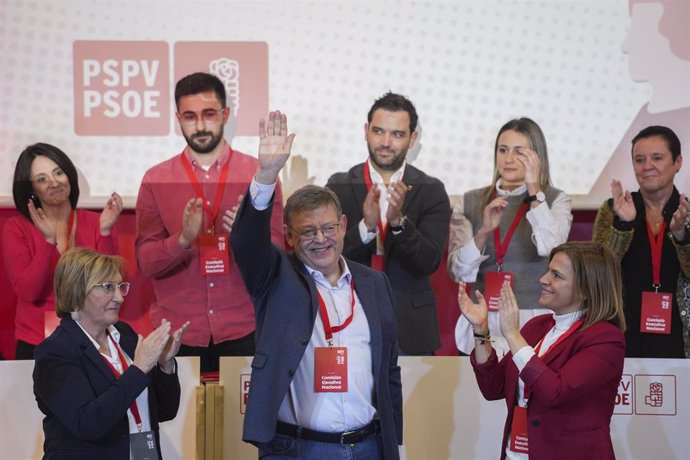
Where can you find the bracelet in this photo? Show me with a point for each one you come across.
(483, 337)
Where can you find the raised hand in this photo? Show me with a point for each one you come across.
(274, 147)
(396, 198)
(192, 218)
(44, 225)
(149, 350)
(623, 204)
(477, 314)
(110, 213)
(680, 221)
(230, 214)
(165, 361)
(371, 209)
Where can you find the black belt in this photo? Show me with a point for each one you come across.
(348, 437)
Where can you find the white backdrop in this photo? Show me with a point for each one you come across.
(469, 66)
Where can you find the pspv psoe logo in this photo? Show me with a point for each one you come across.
(655, 395)
(123, 88)
(624, 396)
(245, 383)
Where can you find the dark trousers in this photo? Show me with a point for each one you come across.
(209, 356)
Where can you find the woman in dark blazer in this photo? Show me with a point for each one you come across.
(561, 376)
(102, 388)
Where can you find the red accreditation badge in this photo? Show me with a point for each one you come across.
(518, 430)
(492, 290)
(377, 262)
(656, 312)
(330, 369)
(214, 256)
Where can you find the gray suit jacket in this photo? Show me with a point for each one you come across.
(286, 305)
(410, 257)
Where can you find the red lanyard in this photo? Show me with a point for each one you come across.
(327, 328)
(134, 408)
(369, 184)
(502, 247)
(656, 243)
(212, 212)
(560, 339)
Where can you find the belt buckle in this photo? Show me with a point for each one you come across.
(346, 433)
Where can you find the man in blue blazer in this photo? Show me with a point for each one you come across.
(325, 378)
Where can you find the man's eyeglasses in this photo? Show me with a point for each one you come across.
(329, 231)
(209, 116)
(110, 287)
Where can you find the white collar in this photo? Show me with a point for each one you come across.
(376, 177)
(501, 192)
(564, 321)
(319, 278)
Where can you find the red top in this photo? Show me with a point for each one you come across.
(218, 305)
(30, 262)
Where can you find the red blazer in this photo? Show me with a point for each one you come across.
(573, 390)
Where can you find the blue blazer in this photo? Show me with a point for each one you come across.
(286, 304)
(85, 406)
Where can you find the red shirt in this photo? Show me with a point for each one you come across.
(217, 306)
(30, 263)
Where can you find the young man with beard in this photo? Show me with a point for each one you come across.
(398, 219)
(180, 240)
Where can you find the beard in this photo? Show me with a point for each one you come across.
(204, 146)
(392, 163)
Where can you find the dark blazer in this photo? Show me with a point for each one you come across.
(285, 299)
(85, 406)
(573, 388)
(410, 257)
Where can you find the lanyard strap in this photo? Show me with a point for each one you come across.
(134, 408)
(656, 243)
(212, 212)
(327, 328)
(502, 247)
(560, 339)
(369, 184)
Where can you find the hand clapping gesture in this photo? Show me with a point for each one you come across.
(477, 314)
(623, 204)
(110, 213)
(680, 221)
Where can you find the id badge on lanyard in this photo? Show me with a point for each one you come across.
(330, 363)
(655, 315)
(494, 280)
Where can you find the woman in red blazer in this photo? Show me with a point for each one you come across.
(562, 373)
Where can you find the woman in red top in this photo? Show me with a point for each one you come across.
(561, 376)
(45, 192)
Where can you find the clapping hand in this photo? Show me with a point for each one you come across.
(477, 314)
(680, 221)
(623, 204)
(149, 349)
(165, 361)
(110, 213)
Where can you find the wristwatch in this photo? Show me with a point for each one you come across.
(539, 197)
(401, 226)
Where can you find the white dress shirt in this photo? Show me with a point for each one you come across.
(377, 181)
(330, 412)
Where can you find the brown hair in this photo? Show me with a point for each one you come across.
(598, 281)
(77, 272)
